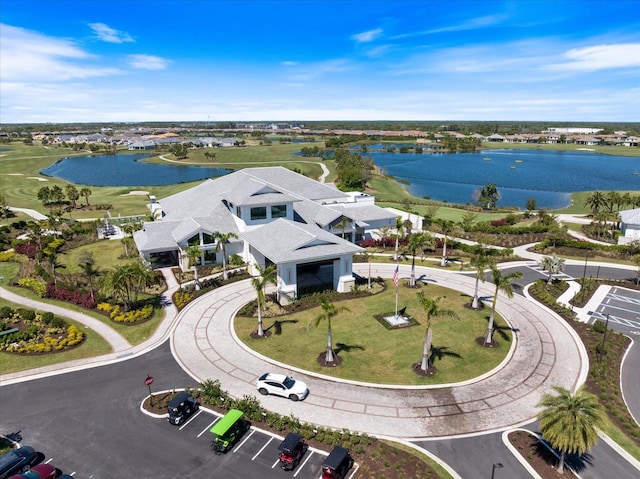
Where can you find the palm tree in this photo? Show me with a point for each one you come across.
(446, 227)
(87, 263)
(383, 233)
(432, 309)
(480, 262)
(636, 261)
(329, 310)
(417, 242)
(194, 254)
(72, 194)
(570, 422)
(86, 192)
(223, 239)
(402, 227)
(504, 283)
(595, 201)
(265, 276)
(553, 265)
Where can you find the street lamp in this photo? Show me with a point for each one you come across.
(604, 336)
(497, 465)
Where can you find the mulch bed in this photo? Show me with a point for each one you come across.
(543, 461)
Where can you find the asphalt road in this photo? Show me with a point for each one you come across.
(89, 422)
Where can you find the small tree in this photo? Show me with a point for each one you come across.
(570, 422)
(488, 196)
(636, 261)
(329, 310)
(446, 227)
(265, 276)
(223, 239)
(480, 262)
(194, 254)
(504, 283)
(432, 309)
(417, 242)
(86, 192)
(553, 265)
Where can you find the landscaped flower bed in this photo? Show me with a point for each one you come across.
(37, 332)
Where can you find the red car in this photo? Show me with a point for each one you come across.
(41, 471)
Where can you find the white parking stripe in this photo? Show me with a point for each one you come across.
(305, 461)
(50, 459)
(190, 419)
(209, 426)
(275, 463)
(258, 453)
(245, 440)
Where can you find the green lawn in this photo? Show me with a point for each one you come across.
(93, 345)
(371, 353)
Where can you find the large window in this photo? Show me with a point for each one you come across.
(279, 211)
(259, 213)
(208, 239)
(194, 240)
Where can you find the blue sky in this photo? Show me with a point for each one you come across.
(252, 60)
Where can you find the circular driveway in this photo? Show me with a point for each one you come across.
(546, 353)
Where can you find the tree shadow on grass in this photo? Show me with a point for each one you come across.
(277, 325)
(440, 352)
(347, 348)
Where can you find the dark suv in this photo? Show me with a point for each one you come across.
(337, 464)
(181, 407)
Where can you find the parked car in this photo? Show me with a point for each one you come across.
(181, 407)
(17, 460)
(291, 450)
(41, 471)
(282, 385)
(337, 464)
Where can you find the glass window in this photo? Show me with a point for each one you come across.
(194, 240)
(207, 239)
(259, 213)
(279, 211)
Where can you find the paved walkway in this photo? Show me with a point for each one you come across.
(548, 353)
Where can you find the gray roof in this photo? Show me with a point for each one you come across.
(286, 241)
(313, 213)
(294, 182)
(155, 236)
(364, 213)
(630, 217)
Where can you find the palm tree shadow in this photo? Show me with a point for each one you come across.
(347, 347)
(439, 352)
(502, 330)
(579, 463)
(277, 326)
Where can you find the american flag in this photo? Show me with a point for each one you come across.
(395, 276)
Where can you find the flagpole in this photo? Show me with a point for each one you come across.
(396, 282)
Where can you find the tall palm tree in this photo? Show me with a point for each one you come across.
(446, 227)
(480, 262)
(570, 422)
(504, 283)
(86, 192)
(87, 263)
(223, 239)
(417, 242)
(265, 276)
(553, 265)
(194, 253)
(402, 228)
(329, 310)
(432, 308)
(595, 200)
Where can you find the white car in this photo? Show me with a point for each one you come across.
(282, 385)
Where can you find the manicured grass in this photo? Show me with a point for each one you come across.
(107, 255)
(622, 439)
(93, 345)
(371, 353)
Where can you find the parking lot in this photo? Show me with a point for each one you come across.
(622, 307)
(254, 455)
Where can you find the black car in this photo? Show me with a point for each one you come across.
(337, 464)
(181, 407)
(18, 460)
(291, 450)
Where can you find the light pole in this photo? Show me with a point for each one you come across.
(497, 465)
(604, 336)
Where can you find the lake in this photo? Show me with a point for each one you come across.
(126, 170)
(547, 176)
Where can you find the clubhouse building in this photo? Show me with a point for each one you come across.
(308, 230)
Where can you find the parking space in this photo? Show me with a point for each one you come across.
(254, 455)
(622, 308)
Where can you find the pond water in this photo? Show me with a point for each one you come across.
(547, 176)
(126, 170)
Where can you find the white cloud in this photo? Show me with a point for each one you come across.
(110, 35)
(471, 24)
(600, 57)
(148, 62)
(31, 56)
(367, 36)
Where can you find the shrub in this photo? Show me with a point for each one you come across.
(7, 256)
(34, 284)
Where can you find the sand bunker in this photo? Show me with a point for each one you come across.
(15, 174)
(36, 178)
(137, 193)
